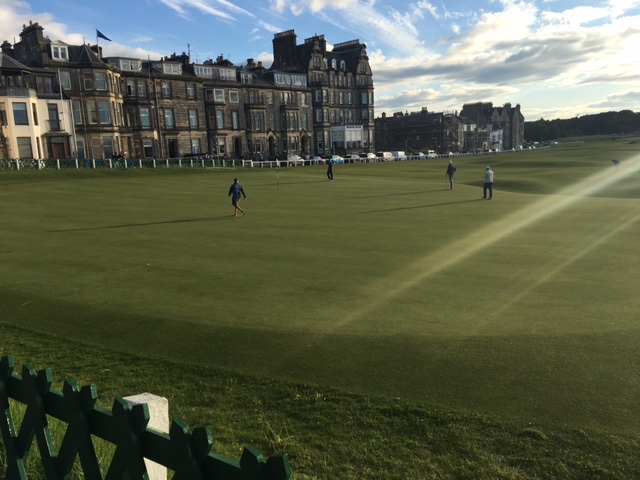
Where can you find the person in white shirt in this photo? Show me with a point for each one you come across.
(488, 183)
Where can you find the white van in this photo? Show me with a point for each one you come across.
(431, 154)
(385, 156)
(399, 155)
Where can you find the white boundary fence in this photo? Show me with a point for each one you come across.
(199, 162)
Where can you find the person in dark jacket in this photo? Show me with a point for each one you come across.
(236, 192)
(451, 170)
(330, 170)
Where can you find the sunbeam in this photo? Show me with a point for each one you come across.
(435, 262)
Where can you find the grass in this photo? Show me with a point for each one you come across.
(378, 323)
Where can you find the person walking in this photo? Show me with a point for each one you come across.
(488, 183)
(451, 170)
(330, 169)
(236, 192)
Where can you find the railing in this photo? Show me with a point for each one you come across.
(187, 453)
(199, 162)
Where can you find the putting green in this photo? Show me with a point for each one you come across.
(383, 281)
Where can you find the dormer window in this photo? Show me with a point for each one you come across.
(334, 63)
(172, 68)
(342, 65)
(59, 52)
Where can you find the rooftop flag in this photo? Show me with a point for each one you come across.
(102, 35)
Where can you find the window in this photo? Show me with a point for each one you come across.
(20, 116)
(270, 98)
(219, 119)
(342, 65)
(195, 146)
(246, 78)
(227, 74)
(193, 118)
(166, 89)
(34, 111)
(318, 96)
(44, 84)
(218, 95)
(145, 118)
(104, 112)
(191, 90)
(205, 72)
(59, 52)
(235, 120)
(272, 121)
(147, 147)
(65, 80)
(54, 120)
(80, 148)
(172, 68)
(365, 98)
(169, 122)
(334, 63)
(234, 97)
(77, 112)
(24, 147)
(142, 88)
(303, 120)
(131, 65)
(107, 147)
(88, 81)
(92, 113)
(101, 81)
(131, 87)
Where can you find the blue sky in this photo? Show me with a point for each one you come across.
(556, 58)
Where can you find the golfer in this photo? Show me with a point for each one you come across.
(236, 192)
(451, 170)
(330, 169)
(488, 183)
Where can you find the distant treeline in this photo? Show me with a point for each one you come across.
(608, 123)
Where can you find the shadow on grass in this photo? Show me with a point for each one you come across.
(127, 225)
(424, 206)
(399, 194)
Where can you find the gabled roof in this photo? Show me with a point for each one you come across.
(83, 54)
(11, 63)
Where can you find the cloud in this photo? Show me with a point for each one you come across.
(218, 8)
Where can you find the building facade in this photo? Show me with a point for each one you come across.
(478, 127)
(309, 102)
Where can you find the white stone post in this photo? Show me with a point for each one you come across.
(158, 420)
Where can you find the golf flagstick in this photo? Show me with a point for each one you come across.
(278, 173)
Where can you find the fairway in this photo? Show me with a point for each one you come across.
(382, 282)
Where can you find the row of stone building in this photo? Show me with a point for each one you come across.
(67, 101)
(478, 127)
(60, 101)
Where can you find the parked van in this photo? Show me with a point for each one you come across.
(431, 154)
(399, 155)
(385, 156)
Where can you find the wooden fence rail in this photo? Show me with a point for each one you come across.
(187, 453)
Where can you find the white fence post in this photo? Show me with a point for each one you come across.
(158, 420)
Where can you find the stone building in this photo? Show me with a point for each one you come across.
(498, 128)
(420, 131)
(309, 102)
(341, 83)
(478, 127)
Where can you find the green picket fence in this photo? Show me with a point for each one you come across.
(187, 454)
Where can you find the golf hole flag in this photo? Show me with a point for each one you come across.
(99, 34)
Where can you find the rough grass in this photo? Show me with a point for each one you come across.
(380, 285)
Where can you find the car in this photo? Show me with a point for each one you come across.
(355, 158)
(336, 159)
(419, 156)
(371, 157)
(293, 160)
(385, 156)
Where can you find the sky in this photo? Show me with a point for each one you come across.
(556, 58)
